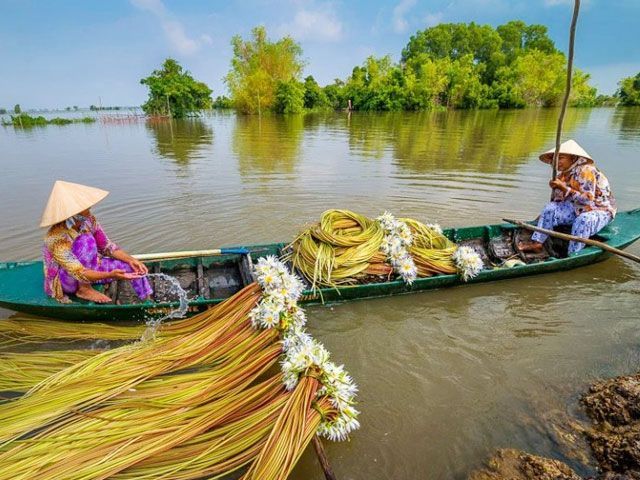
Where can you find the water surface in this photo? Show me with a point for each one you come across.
(445, 376)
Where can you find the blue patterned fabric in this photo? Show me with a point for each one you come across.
(584, 225)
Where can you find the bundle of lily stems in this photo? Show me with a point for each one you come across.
(241, 386)
(347, 248)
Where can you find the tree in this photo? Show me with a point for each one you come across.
(582, 94)
(457, 40)
(289, 97)
(314, 96)
(173, 91)
(3, 111)
(534, 78)
(518, 37)
(629, 91)
(222, 102)
(258, 67)
(334, 93)
(17, 110)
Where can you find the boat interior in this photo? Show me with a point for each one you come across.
(218, 277)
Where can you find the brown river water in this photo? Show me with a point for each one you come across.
(445, 376)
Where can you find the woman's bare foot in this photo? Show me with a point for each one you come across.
(87, 292)
(531, 247)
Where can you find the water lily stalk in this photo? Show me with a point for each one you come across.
(190, 403)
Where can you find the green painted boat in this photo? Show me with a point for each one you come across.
(211, 279)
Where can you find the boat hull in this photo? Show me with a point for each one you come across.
(21, 282)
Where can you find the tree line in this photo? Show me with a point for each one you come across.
(448, 66)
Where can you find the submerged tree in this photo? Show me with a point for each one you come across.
(258, 67)
(173, 91)
(629, 91)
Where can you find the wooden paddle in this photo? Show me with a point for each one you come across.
(191, 253)
(566, 236)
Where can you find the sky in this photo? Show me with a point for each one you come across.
(82, 52)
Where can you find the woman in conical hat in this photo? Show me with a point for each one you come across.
(77, 252)
(582, 198)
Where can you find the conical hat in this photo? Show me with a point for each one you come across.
(570, 147)
(67, 199)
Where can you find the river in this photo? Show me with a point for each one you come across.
(445, 376)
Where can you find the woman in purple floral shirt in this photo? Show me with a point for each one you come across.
(77, 252)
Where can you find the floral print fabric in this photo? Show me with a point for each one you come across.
(58, 254)
(583, 225)
(589, 188)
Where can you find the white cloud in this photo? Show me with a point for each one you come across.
(400, 23)
(173, 29)
(320, 23)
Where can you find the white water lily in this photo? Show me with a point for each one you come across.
(435, 227)
(468, 262)
(301, 353)
(397, 237)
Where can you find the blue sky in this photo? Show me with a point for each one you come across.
(71, 52)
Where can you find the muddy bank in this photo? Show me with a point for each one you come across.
(613, 406)
(510, 464)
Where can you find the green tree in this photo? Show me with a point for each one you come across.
(289, 97)
(629, 91)
(222, 102)
(518, 37)
(377, 85)
(314, 96)
(3, 111)
(17, 110)
(582, 94)
(334, 93)
(257, 68)
(535, 78)
(173, 91)
(455, 41)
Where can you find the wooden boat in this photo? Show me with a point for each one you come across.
(211, 279)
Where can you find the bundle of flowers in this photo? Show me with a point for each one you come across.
(397, 239)
(468, 262)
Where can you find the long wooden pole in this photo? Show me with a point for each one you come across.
(566, 236)
(567, 90)
(172, 255)
(322, 456)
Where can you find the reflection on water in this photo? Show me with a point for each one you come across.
(267, 144)
(627, 121)
(480, 141)
(445, 376)
(180, 140)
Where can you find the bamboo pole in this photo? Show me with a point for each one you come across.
(567, 90)
(566, 236)
(322, 456)
(172, 255)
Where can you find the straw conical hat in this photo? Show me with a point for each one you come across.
(67, 199)
(570, 147)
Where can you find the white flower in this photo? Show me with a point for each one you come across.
(397, 237)
(468, 262)
(435, 227)
(279, 309)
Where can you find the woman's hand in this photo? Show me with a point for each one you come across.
(138, 267)
(119, 274)
(559, 184)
